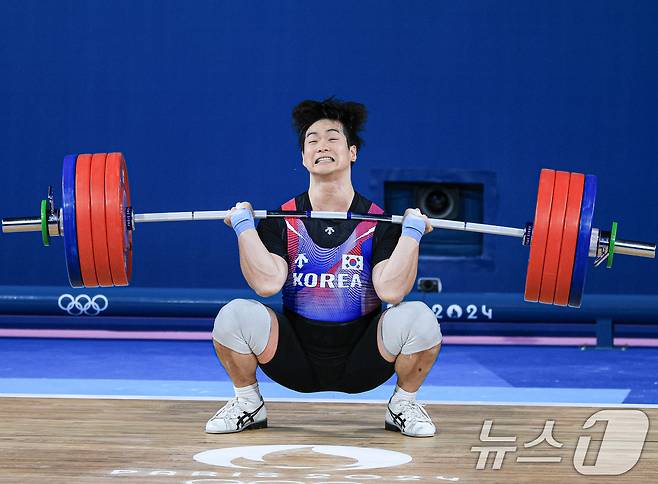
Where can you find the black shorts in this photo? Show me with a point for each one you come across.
(313, 356)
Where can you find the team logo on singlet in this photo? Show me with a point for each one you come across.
(351, 261)
(300, 260)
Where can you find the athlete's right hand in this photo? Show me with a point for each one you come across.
(415, 212)
(238, 206)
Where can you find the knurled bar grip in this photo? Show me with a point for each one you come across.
(261, 214)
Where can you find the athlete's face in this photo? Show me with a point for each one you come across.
(325, 148)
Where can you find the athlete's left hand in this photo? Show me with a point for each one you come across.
(417, 213)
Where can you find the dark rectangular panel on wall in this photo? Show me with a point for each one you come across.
(445, 253)
(449, 201)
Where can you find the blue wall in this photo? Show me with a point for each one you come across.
(198, 96)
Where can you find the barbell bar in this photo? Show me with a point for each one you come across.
(97, 222)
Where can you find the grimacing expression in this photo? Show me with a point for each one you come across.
(326, 149)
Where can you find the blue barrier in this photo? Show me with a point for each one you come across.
(116, 301)
(204, 303)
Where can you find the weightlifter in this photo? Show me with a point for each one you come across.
(334, 275)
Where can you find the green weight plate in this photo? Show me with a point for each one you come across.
(611, 245)
(45, 237)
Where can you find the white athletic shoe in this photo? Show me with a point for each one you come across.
(237, 416)
(410, 418)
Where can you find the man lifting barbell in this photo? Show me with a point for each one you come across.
(334, 266)
(332, 334)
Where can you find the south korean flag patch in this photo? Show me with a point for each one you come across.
(353, 262)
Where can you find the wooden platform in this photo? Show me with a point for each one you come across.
(57, 440)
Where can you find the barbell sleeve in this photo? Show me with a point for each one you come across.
(30, 224)
(21, 224)
(629, 247)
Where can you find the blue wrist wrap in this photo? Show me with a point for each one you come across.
(414, 227)
(242, 220)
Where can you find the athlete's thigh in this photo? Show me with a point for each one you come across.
(289, 366)
(366, 368)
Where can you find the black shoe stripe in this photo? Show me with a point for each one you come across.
(247, 417)
(397, 418)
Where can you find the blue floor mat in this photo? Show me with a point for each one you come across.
(524, 374)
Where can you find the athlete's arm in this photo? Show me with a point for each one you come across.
(394, 277)
(264, 272)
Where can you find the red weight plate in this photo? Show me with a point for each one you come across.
(119, 238)
(554, 240)
(83, 221)
(539, 235)
(569, 239)
(98, 230)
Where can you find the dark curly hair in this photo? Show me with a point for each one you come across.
(350, 114)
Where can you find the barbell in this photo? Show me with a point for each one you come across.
(97, 222)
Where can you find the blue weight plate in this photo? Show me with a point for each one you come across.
(68, 222)
(581, 260)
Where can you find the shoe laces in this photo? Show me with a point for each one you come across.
(232, 409)
(413, 411)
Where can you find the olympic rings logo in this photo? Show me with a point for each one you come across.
(82, 304)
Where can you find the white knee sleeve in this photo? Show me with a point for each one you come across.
(410, 327)
(243, 325)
